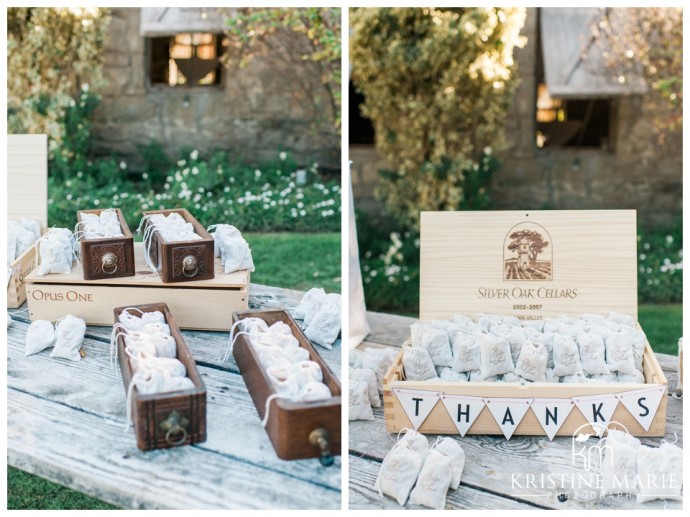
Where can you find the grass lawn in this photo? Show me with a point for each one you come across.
(25, 491)
(296, 261)
(291, 260)
(663, 325)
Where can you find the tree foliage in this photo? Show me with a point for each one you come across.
(52, 53)
(647, 41)
(303, 45)
(437, 84)
(536, 242)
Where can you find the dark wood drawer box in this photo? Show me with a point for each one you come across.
(182, 261)
(111, 257)
(163, 420)
(297, 430)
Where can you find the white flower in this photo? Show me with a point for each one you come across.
(194, 154)
(85, 87)
(283, 155)
(257, 173)
(669, 239)
(96, 202)
(123, 165)
(145, 176)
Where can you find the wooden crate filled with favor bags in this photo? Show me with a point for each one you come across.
(572, 272)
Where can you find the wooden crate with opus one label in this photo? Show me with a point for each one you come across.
(182, 261)
(199, 304)
(111, 257)
(27, 196)
(577, 262)
(163, 420)
(297, 430)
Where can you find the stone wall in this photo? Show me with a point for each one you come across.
(254, 114)
(637, 173)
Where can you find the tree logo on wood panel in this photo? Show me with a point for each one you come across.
(527, 253)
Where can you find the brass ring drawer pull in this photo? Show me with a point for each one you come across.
(176, 436)
(109, 263)
(190, 266)
(175, 427)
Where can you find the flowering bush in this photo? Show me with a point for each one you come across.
(660, 266)
(216, 190)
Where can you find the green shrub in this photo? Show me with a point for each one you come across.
(660, 264)
(437, 83)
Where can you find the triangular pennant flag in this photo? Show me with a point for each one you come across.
(643, 404)
(463, 410)
(417, 404)
(551, 414)
(508, 413)
(597, 409)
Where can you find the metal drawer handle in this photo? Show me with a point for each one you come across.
(190, 266)
(176, 429)
(319, 438)
(109, 263)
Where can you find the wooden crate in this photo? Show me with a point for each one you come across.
(27, 196)
(200, 304)
(468, 265)
(297, 430)
(182, 261)
(111, 257)
(164, 420)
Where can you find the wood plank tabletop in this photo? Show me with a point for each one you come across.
(497, 471)
(66, 422)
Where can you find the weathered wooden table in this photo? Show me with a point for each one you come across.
(66, 423)
(492, 462)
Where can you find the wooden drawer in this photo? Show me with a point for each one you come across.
(164, 420)
(294, 428)
(182, 261)
(108, 257)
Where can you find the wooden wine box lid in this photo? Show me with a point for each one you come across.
(529, 264)
(27, 177)
(27, 197)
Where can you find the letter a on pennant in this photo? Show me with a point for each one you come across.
(508, 413)
(643, 404)
(551, 414)
(417, 404)
(463, 410)
(597, 409)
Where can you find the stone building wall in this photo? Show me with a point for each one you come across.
(637, 173)
(253, 113)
